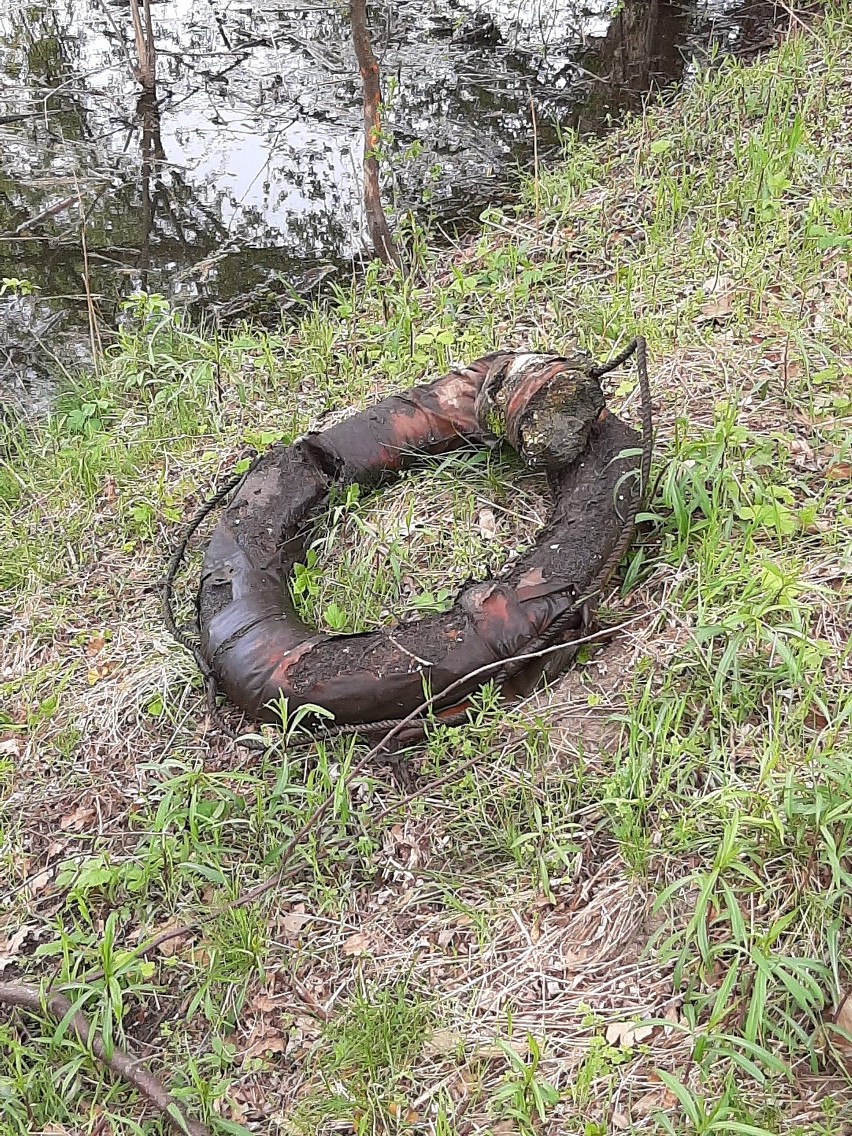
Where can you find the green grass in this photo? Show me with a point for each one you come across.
(628, 907)
(401, 553)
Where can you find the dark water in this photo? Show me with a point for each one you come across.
(242, 175)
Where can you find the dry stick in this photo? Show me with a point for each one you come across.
(377, 223)
(94, 332)
(46, 214)
(60, 1008)
(118, 34)
(794, 18)
(535, 159)
(151, 56)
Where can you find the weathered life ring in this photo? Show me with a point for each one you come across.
(551, 409)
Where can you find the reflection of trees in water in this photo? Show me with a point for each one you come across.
(642, 45)
(642, 49)
(286, 82)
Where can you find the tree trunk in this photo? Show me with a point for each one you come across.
(641, 47)
(377, 224)
(148, 110)
(146, 69)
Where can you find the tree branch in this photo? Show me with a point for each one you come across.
(129, 1069)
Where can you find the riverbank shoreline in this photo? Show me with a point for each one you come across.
(628, 910)
(226, 194)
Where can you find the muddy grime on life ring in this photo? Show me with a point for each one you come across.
(551, 409)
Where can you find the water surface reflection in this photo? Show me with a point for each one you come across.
(246, 164)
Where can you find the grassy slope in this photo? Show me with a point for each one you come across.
(664, 837)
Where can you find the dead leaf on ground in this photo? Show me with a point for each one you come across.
(263, 1003)
(487, 524)
(357, 944)
(657, 1100)
(814, 719)
(803, 453)
(402, 1112)
(443, 1042)
(843, 1025)
(672, 1015)
(10, 747)
(619, 1121)
(95, 645)
(720, 304)
(718, 284)
(627, 1034)
(176, 943)
(717, 310)
(264, 1043)
(839, 471)
(200, 956)
(97, 673)
(293, 922)
(10, 949)
(77, 820)
(232, 1109)
(40, 882)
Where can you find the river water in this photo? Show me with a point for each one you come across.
(244, 169)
